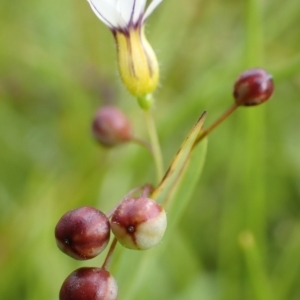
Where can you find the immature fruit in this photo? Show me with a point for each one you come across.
(89, 284)
(253, 87)
(82, 233)
(139, 223)
(111, 127)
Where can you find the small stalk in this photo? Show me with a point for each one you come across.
(224, 116)
(157, 155)
(142, 143)
(109, 254)
(147, 189)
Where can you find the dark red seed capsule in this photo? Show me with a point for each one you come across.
(111, 127)
(253, 87)
(83, 233)
(139, 223)
(89, 284)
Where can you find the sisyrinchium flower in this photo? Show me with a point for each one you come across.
(137, 61)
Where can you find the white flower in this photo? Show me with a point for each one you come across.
(138, 65)
(123, 14)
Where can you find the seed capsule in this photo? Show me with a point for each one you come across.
(111, 127)
(253, 87)
(82, 233)
(139, 223)
(89, 284)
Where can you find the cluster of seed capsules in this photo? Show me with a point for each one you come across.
(137, 223)
(83, 233)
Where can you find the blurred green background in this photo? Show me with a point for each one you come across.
(239, 238)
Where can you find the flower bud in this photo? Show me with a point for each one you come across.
(82, 233)
(89, 284)
(139, 223)
(137, 62)
(111, 127)
(253, 87)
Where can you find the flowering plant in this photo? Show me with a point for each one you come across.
(139, 220)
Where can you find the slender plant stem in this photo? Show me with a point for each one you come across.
(142, 143)
(147, 189)
(109, 254)
(154, 144)
(225, 115)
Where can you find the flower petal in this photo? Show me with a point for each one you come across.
(126, 9)
(131, 10)
(139, 10)
(107, 13)
(150, 8)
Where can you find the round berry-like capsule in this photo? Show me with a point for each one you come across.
(89, 284)
(111, 127)
(82, 233)
(139, 223)
(253, 87)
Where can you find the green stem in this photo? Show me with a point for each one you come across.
(254, 33)
(207, 131)
(109, 254)
(154, 144)
(142, 143)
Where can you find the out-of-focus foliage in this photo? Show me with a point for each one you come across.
(239, 238)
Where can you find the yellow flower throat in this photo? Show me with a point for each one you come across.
(137, 62)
